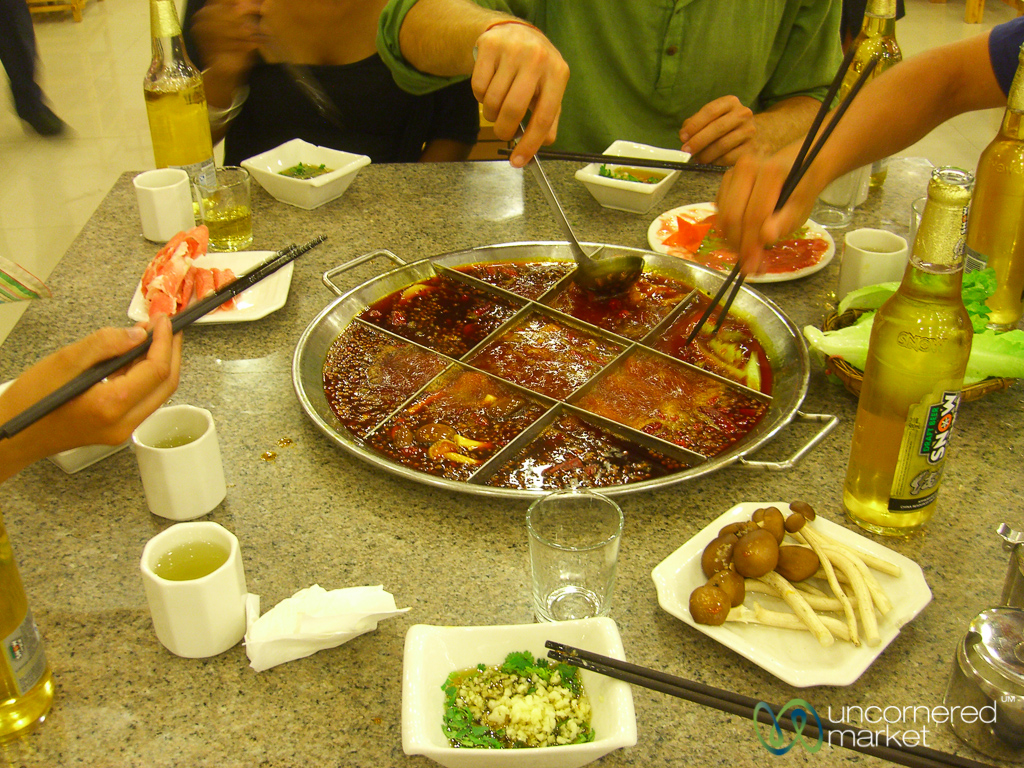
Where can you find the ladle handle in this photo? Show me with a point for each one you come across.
(556, 207)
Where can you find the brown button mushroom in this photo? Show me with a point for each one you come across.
(755, 554)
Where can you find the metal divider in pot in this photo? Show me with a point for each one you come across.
(489, 266)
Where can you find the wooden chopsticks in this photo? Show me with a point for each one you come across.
(858, 739)
(183, 319)
(796, 173)
(639, 162)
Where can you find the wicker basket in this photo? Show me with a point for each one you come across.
(852, 378)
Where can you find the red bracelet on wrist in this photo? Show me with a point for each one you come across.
(499, 22)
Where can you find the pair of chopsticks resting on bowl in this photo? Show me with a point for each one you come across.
(639, 162)
(796, 173)
(182, 320)
(857, 739)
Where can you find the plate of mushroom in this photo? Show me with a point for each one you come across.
(809, 601)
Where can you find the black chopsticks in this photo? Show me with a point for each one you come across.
(639, 162)
(858, 739)
(800, 165)
(183, 319)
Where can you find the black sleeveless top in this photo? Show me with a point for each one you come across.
(378, 118)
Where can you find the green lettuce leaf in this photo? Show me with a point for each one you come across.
(992, 354)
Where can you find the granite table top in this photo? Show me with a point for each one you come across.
(307, 512)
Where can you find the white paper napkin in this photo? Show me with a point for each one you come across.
(312, 619)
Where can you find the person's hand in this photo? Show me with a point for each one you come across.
(108, 412)
(518, 69)
(746, 204)
(226, 32)
(720, 132)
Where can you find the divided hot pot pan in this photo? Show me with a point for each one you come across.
(389, 439)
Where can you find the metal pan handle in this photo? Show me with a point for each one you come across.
(330, 274)
(829, 423)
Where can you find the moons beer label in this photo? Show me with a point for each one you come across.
(922, 455)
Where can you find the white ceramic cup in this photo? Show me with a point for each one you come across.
(165, 203)
(201, 616)
(871, 256)
(182, 482)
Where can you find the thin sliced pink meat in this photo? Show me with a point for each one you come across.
(204, 282)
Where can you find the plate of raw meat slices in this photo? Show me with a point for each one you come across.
(182, 272)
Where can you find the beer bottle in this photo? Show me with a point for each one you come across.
(917, 355)
(995, 230)
(877, 37)
(26, 684)
(175, 99)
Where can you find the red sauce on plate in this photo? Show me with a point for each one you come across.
(790, 255)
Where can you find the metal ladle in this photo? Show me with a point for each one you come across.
(607, 276)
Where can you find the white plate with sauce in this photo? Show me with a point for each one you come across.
(793, 656)
(667, 225)
(267, 296)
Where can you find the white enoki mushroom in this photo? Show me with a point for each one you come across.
(880, 565)
(865, 605)
(878, 596)
(800, 607)
(819, 601)
(766, 618)
(810, 536)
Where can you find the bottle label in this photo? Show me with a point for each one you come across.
(974, 261)
(23, 654)
(200, 173)
(879, 165)
(922, 455)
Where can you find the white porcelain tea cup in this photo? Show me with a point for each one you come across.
(871, 256)
(179, 460)
(165, 203)
(195, 587)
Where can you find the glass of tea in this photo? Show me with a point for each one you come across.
(179, 460)
(224, 201)
(195, 587)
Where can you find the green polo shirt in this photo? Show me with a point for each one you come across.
(638, 68)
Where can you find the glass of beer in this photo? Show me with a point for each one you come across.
(224, 207)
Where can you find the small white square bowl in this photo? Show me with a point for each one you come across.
(432, 653)
(631, 196)
(305, 193)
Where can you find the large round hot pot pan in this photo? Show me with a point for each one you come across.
(781, 338)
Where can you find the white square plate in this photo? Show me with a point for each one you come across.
(432, 653)
(267, 296)
(791, 655)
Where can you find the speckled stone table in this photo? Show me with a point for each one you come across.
(315, 514)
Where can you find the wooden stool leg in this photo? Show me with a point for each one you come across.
(974, 11)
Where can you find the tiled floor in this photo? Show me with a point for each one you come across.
(92, 72)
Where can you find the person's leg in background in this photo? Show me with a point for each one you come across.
(18, 55)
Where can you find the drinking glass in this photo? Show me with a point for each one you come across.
(225, 207)
(574, 549)
(834, 209)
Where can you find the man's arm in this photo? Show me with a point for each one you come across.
(514, 67)
(724, 129)
(891, 112)
(108, 412)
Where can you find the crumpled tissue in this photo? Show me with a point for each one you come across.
(312, 619)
